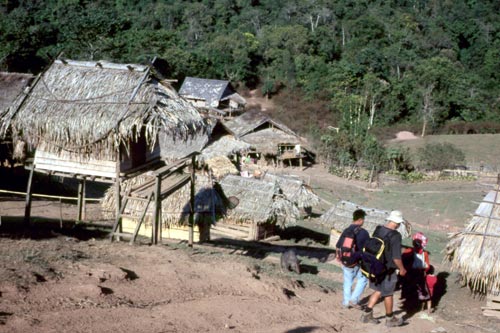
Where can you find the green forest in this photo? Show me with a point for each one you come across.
(359, 65)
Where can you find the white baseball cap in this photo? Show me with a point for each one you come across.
(396, 216)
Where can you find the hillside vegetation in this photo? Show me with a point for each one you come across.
(388, 61)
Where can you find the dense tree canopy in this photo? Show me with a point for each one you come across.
(376, 63)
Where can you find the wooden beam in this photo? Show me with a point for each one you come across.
(156, 220)
(80, 201)
(27, 209)
(191, 202)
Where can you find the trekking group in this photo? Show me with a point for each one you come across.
(378, 260)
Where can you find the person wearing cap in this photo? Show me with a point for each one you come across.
(417, 263)
(351, 269)
(385, 289)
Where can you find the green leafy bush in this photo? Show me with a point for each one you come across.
(439, 156)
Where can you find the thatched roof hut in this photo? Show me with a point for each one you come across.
(89, 111)
(475, 251)
(295, 190)
(339, 217)
(260, 201)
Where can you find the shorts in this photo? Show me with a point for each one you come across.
(387, 286)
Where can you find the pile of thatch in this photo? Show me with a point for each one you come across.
(475, 251)
(94, 107)
(339, 217)
(221, 166)
(260, 201)
(176, 207)
(295, 190)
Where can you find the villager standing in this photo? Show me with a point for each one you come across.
(417, 263)
(348, 246)
(393, 262)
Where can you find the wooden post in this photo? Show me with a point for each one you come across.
(191, 203)
(118, 197)
(27, 209)
(81, 198)
(156, 220)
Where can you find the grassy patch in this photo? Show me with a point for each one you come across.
(476, 147)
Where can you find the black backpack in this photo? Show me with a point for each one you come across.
(373, 262)
(348, 247)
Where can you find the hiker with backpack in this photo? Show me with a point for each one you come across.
(385, 247)
(348, 246)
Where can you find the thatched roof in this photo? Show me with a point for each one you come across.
(260, 201)
(295, 189)
(175, 208)
(339, 217)
(12, 88)
(226, 145)
(254, 120)
(475, 251)
(93, 107)
(211, 91)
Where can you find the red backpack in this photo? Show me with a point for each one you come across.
(348, 247)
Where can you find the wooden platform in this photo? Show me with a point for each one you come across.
(492, 308)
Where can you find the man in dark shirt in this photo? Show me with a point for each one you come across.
(351, 269)
(385, 289)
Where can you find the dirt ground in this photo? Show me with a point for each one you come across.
(60, 277)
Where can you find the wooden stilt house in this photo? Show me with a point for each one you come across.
(102, 121)
(269, 138)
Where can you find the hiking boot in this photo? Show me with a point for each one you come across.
(394, 321)
(355, 305)
(367, 317)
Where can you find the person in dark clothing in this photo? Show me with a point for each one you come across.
(350, 266)
(387, 286)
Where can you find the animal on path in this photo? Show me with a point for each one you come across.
(289, 261)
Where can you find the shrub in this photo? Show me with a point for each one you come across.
(439, 156)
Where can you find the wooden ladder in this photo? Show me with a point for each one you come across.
(118, 221)
(167, 181)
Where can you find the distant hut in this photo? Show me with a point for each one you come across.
(295, 190)
(13, 89)
(104, 121)
(339, 217)
(261, 206)
(212, 94)
(268, 137)
(475, 252)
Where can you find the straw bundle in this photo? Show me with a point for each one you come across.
(474, 252)
(221, 166)
(339, 217)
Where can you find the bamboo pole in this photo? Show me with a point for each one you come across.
(81, 190)
(154, 238)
